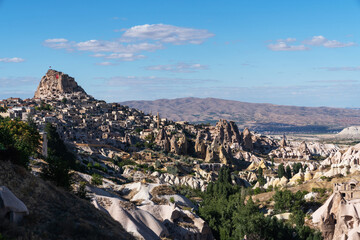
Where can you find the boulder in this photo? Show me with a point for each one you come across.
(11, 207)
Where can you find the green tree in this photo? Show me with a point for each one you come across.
(260, 177)
(281, 171)
(288, 172)
(231, 216)
(60, 160)
(18, 141)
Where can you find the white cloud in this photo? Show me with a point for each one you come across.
(288, 40)
(115, 46)
(125, 56)
(179, 67)
(167, 34)
(341, 68)
(105, 64)
(12, 60)
(322, 41)
(138, 39)
(58, 43)
(56, 40)
(284, 46)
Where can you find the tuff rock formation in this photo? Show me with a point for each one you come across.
(156, 217)
(247, 140)
(179, 144)
(303, 150)
(339, 217)
(343, 161)
(162, 140)
(57, 85)
(352, 132)
(226, 134)
(200, 144)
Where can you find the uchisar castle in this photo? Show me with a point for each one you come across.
(139, 172)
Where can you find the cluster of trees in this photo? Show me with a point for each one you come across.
(44, 107)
(290, 171)
(18, 141)
(3, 109)
(60, 160)
(232, 214)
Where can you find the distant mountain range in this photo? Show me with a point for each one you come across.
(261, 117)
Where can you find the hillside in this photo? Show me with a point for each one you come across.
(54, 213)
(261, 117)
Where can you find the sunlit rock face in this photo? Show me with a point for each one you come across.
(57, 85)
(338, 218)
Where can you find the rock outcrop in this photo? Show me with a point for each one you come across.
(227, 134)
(57, 85)
(179, 145)
(352, 132)
(343, 161)
(303, 150)
(338, 218)
(162, 140)
(156, 216)
(11, 206)
(348, 157)
(247, 140)
(200, 144)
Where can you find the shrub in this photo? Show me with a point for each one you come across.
(158, 164)
(82, 191)
(172, 200)
(60, 160)
(18, 141)
(172, 170)
(96, 179)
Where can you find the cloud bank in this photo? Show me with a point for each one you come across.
(135, 40)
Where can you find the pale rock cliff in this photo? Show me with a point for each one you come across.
(57, 85)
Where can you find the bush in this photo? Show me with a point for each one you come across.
(60, 160)
(82, 190)
(18, 141)
(158, 164)
(172, 200)
(172, 170)
(96, 179)
(57, 171)
(287, 201)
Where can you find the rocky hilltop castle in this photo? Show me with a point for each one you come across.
(57, 85)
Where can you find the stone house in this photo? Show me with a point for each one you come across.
(348, 190)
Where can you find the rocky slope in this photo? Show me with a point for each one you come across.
(54, 213)
(258, 117)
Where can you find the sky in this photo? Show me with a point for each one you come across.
(303, 53)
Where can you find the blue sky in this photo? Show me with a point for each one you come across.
(303, 53)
